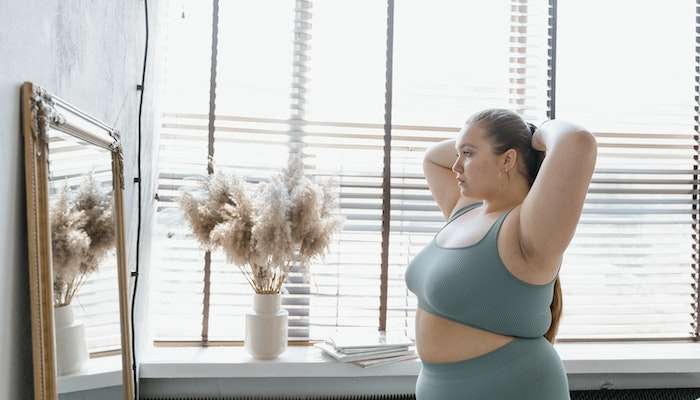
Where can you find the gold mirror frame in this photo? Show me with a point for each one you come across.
(40, 111)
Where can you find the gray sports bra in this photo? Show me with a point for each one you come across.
(472, 286)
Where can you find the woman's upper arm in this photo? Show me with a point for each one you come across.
(443, 186)
(551, 210)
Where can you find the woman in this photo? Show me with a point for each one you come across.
(489, 298)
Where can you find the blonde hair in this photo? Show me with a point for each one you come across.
(506, 130)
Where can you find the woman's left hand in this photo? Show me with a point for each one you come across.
(537, 141)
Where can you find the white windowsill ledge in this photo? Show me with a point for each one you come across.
(97, 372)
(302, 361)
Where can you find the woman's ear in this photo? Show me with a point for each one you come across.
(510, 159)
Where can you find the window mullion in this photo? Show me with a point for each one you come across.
(386, 179)
(210, 163)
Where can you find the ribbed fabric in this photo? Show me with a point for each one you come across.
(522, 369)
(472, 286)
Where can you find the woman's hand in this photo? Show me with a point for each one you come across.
(537, 142)
(552, 131)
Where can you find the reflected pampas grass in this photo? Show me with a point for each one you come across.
(99, 225)
(69, 243)
(264, 231)
(82, 233)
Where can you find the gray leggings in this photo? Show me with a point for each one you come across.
(522, 369)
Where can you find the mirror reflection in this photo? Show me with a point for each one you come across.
(84, 260)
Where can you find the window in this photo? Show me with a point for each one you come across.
(630, 267)
(303, 73)
(471, 56)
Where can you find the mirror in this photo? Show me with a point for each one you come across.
(81, 335)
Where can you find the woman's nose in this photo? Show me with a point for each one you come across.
(457, 166)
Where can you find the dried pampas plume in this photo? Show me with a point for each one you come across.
(234, 232)
(223, 214)
(205, 213)
(69, 243)
(288, 218)
(82, 233)
(311, 218)
(99, 224)
(271, 232)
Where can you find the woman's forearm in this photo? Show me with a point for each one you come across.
(545, 138)
(442, 153)
(553, 131)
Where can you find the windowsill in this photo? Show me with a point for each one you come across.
(97, 372)
(303, 361)
(652, 362)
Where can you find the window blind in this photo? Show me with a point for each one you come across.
(251, 132)
(475, 55)
(300, 75)
(629, 270)
(344, 138)
(178, 286)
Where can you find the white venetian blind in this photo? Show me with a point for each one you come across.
(475, 55)
(626, 72)
(299, 72)
(252, 107)
(178, 262)
(254, 66)
(344, 138)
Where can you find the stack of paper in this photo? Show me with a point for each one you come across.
(368, 349)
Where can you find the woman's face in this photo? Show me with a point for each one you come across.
(476, 167)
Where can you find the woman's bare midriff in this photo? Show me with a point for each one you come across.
(441, 340)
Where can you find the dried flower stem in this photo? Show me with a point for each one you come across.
(247, 275)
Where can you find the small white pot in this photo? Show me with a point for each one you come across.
(266, 327)
(71, 347)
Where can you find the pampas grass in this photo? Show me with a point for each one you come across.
(69, 244)
(99, 225)
(82, 233)
(264, 231)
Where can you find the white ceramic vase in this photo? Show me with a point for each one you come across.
(266, 327)
(71, 347)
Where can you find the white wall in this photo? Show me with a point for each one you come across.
(90, 53)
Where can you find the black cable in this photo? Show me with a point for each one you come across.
(138, 180)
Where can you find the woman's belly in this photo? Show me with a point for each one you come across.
(442, 340)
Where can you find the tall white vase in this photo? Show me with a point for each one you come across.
(71, 347)
(266, 327)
